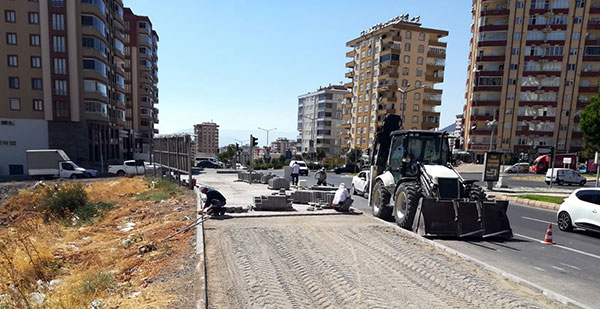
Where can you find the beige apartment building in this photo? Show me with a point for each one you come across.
(78, 75)
(206, 138)
(389, 57)
(534, 65)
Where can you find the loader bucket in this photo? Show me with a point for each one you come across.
(458, 218)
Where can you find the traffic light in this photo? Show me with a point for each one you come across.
(253, 141)
(237, 147)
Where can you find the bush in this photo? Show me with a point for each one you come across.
(160, 189)
(62, 200)
(97, 283)
(90, 211)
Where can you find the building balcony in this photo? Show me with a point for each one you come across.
(588, 89)
(489, 73)
(482, 117)
(577, 134)
(499, 12)
(437, 43)
(536, 118)
(547, 58)
(546, 73)
(434, 78)
(351, 54)
(345, 146)
(349, 85)
(491, 43)
(591, 58)
(436, 55)
(389, 74)
(429, 125)
(389, 99)
(348, 95)
(349, 74)
(539, 88)
(491, 58)
(346, 126)
(350, 64)
(582, 104)
(485, 103)
(345, 136)
(433, 67)
(551, 27)
(591, 26)
(431, 101)
(487, 88)
(538, 103)
(383, 112)
(432, 90)
(534, 133)
(389, 64)
(493, 27)
(482, 132)
(595, 10)
(392, 38)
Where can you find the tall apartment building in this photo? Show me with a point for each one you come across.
(206, 138)
(69, 81)
(319, 120)
(533, 68)
(281, 145)
(396, 54)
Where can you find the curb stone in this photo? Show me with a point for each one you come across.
(201, 280)
(528, 202)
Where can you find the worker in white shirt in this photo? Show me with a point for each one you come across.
(342, 199)
(295, 173)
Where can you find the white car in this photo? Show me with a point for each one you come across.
(580, 210)
(131, 167)
(517, 168)
(303, 167)
(360, 183)
(563, 176)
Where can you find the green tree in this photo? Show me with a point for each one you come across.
(321, 154)
(590, 125)
(354, 155)
(228, 154)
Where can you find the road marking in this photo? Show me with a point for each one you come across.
(571, 266)
(540, 269)
(557, 268)
(562, 247)
(538, 220)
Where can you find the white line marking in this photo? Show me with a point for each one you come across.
(538, 220)
(557, 268)
(571, 266)
(562, 247)
(540, 269)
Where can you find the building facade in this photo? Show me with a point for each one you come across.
(533, 68)
(68, 82)
(206, 138)
(319, 120)
(281, 145)
(397, 54)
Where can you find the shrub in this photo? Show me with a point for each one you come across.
(161, 189)
(97, 283)
(90, 211)
(62, 200)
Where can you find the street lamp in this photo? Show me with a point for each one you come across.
(404, 93)
(492, 124)
(267, 130)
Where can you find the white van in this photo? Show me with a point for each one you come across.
(563, 176)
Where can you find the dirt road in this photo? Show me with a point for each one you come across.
(342, 262)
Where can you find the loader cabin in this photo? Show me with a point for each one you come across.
(410, 148)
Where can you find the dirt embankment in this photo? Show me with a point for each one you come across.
(113, 259)
(343, 262)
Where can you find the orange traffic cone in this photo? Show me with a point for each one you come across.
(548, 238)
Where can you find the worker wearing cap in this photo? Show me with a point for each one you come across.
(342, 199)
(215, 200)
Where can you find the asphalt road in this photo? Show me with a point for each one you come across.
(514, 182)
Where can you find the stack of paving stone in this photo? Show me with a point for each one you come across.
(272, 202)
(277, 183)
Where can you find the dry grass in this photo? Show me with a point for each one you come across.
(90, 261)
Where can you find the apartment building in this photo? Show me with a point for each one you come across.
(319, 120)
(281, 145)
(394, 69)
(206, 138)
(68, 82)
(533, 68)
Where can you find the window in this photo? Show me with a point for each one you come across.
(38, 105)
(36, 83)
(9, 16)
(419, 60)
(36, 62)
(575, 35)
(60, 66)
(13, 82)
(58, 22)
(406, 59)
(93, 21)
(571, 67)
(514, 66)
(520, 4)
(404, 71)
(517, 36)
(405, 83)
(408, 35)
(58, 43)
(34, 18)
(421, 36)
(95, 65)
(573, 51)
(419, 72)
(416, 107)
(34, 40)
(61, 109)
(57, 3)
(421, 48)
(407, 47)
(515, 51)
(15, 104)
(94, 86)
(13, 61)
(417, 96)
(60, 87)
(580, 3)
(11, 38)
(362, 54)
(93, 43)
(510, 96)
(96, 107)
(519, 20)
(415, 119)
(511, 81)
(577, 19)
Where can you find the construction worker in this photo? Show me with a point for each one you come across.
(342, 199)
(321, 177)
(295, 173)
(215, 201)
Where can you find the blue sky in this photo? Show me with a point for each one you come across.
(242, 64)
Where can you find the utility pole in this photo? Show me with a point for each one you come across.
(404, 94)
(596, 159)
(492, 124)
(267, 130)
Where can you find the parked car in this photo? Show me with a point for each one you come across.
(130, 167)
(346, 168)
(517, 168)
(563, 176)
(51, 163)
(580, 210)
(360, 183)
(208, 164)
(303, 167)
(90, 173)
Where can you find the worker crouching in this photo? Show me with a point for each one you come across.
(342, 200)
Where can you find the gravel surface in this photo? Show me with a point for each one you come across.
(344, 261)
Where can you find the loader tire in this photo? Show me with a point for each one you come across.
(380, 198)
(476, 193)
(406, 202)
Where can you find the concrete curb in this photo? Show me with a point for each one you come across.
(516, 279)
(201, 278)
(528, 202)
